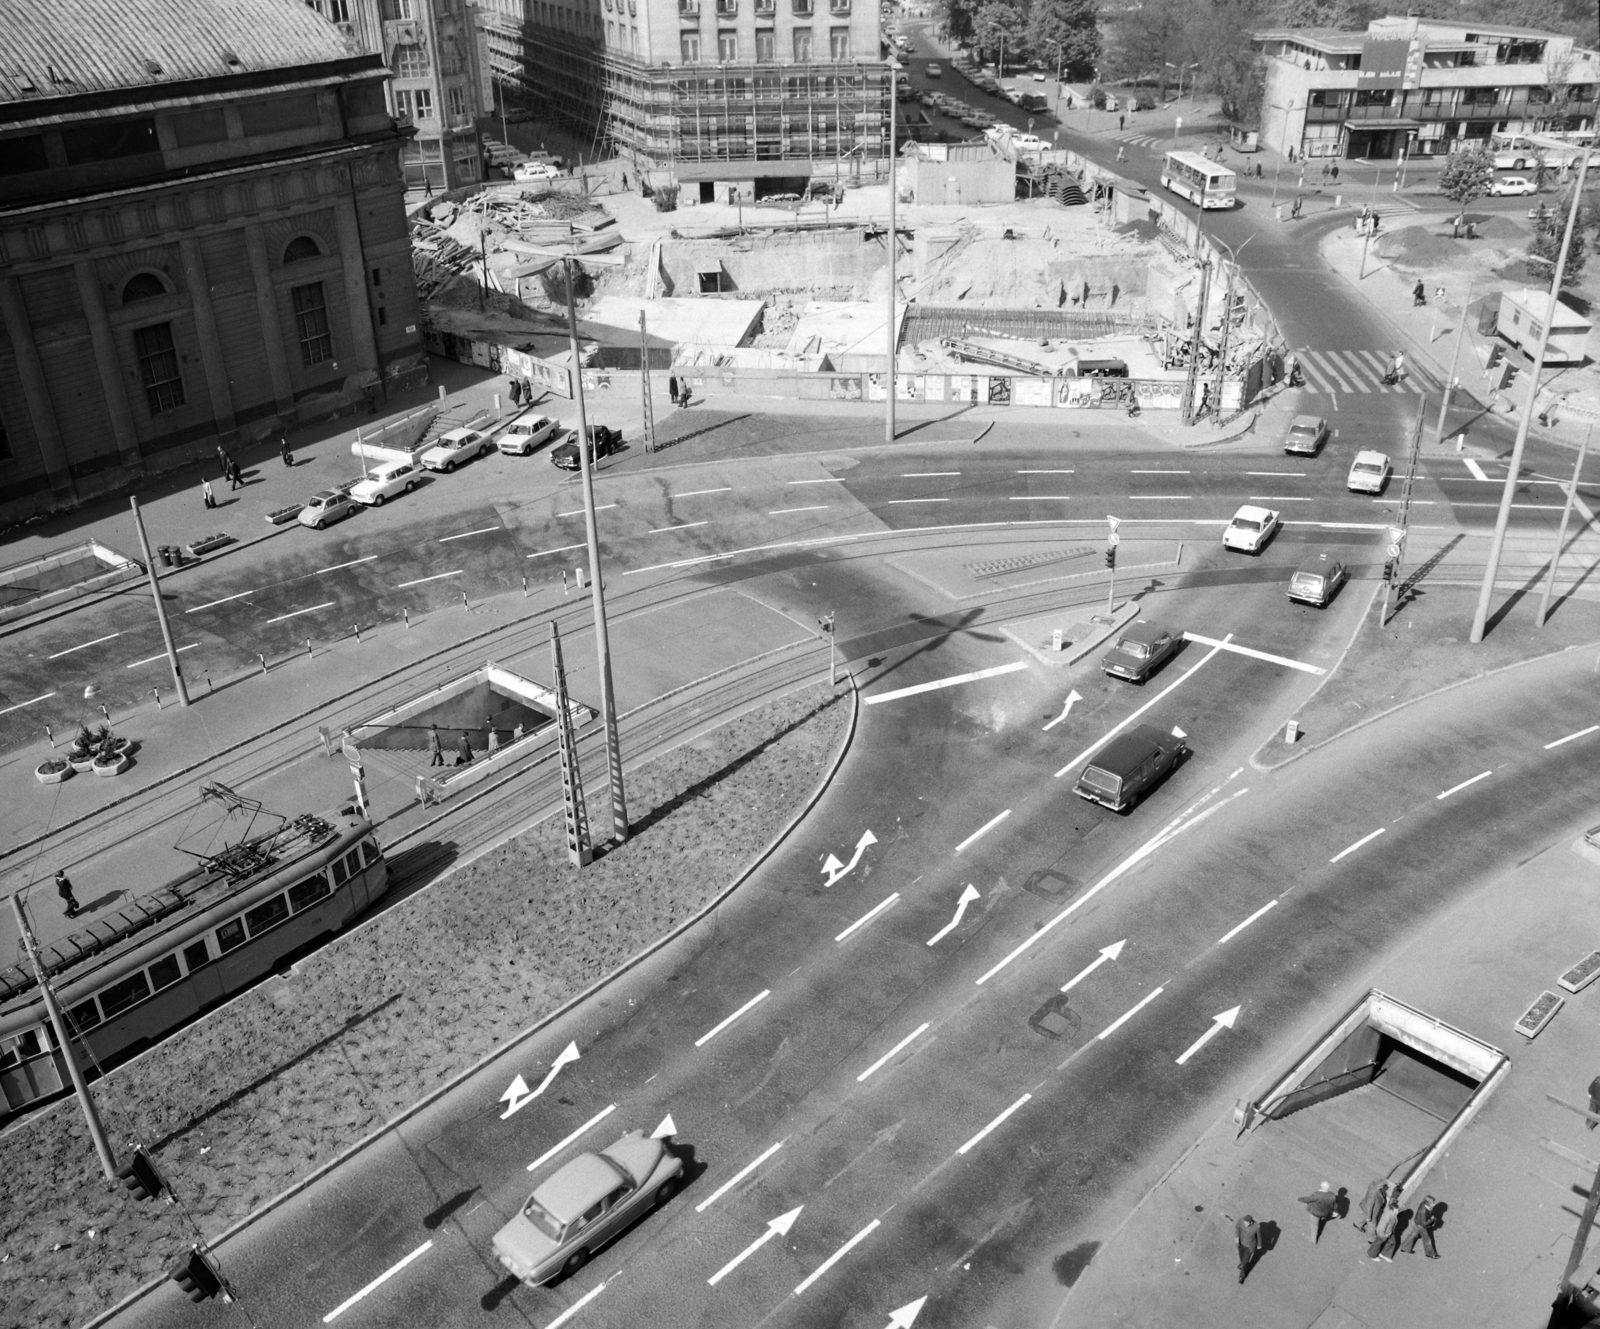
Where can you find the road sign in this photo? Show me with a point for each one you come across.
(1113, 540)
(1394, 550)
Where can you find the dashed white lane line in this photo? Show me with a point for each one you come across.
(1254, 654)
(1478, 472)
(783, 512)
(438, 576)
(871, 914)
(681, 526)
(983, 830)
(1457, 788)
(1041, 498)
(83, 646)
(1128, 1015)
(1582, 733)
(576, 1135)
(377, 1282)
(993, 1125)
(212, 604)
(1278, 498)
(578, 512)
(335, 568)
(950, 682)
(1046, 472)
(748, 1006)
(925, 475)
(838, 1255)
(893, 1052)
(43, 696)
(697, 493)
(1234, 931)
(1160, 472)
(1365, 839)
(891, 502)
(1525, 507)
(326, 604)
(829, 480)
(576, 1306)
(1159, 496)
(1298, 475)
(559, 549)
(151, 659)
(482, 530)
(739, 1176)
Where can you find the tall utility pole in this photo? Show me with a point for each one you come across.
(1561, 535)
(161, 609)
(579, 847)
(888, 404)
(91, 1117)
(644, 378)
(1190, 411)
(1455, 357)
(1481, 617)
(1227, 324)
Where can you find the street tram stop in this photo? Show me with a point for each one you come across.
(1384, 1092)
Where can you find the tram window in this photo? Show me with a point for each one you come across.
(352, 861)
(119, 996)
(267, 915)
(85, 1015)
(230, 934)
(165, 972)
(196, 956)
(339, 874)
(306, 893)
(372, 852)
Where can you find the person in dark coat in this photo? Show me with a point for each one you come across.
(1386, 1234)
(1423, 1223)
(1419, 294)
(1334, 172)
(1323, 1205)
(435, 748)
(283, 450)
(1247, 1232)
(672, 389)
(64, 890)
(235, 480)
(463, 750)
(516, 393)
(225, 459)
(1372, 1203)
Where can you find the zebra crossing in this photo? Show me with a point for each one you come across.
(1145, 140)
(1358, 371)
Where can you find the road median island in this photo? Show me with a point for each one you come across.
(255, 1097)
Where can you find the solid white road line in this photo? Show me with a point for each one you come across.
(577, 1134)
(1525, 507)
(1254, 655)
(438, 576)
(335, 568)
(894, 1051)
(1046, 472)
(578, 512)
(326, 604)
(212, 604)
(1042, 498)
(149, 659)
(1457, 788)
(712, 1033)
(1163, 496)
(576, 1306)
(1582, 733)
(1233, 932)
(1365, 839)
(838, 1255)
(1478, 472)
(696, 493)
(559, 549)
(84, 646)
(1281, 498)
(784, 512)
(377, 1282)
(1299, 475)
(991, 1126)
(984, 829)
(1129, 1014)
(870, 915)
(1159, 472)
(739, 1176)
(950, 682)
(925, 475)
(482, 530)
(43, 696)
(830, 480)
(893, 501)
(681, 526)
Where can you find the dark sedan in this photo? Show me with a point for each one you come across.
(1142, 649)
(603, 442)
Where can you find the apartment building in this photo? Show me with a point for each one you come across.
(1420, 87)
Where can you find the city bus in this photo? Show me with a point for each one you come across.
(134, 976)
(1517, 152)
(1199, 179)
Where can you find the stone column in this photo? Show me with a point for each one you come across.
(255, 240)
(353, 259)
(205, 326)
(108, 364)
(35, 389)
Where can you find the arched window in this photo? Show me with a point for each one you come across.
(143, 286)
(300, 249)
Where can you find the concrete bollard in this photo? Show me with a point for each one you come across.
(309, 656)
(1338, 200)
(1291, 732)
(578, 576)
(1461, 442)
(1057, 641)
(407, 614)
(441, 392)
(357, 630)
(263, 660)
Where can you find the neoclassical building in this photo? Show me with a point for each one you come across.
(202, 235)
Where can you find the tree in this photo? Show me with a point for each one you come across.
(1229, 66)
(1067, 31)
(1465, 179)
(955, 19)
(1545, 247)
(1143, 41)
(996, 24)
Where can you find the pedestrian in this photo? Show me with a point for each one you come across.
(1323, 1205)
(1121, 121)
(463, 750)
(1386, 1233)
(435, 748)
(1419, 294)
(1399, 365)
(225, 459)
(1423, 1222)
(1247, 1232)
(1122, 154)
(64, 890)
(1291, 155)
(494, 741)
(1334, 172)
(1372, 1203)
(527, 391)
(1594, 1102)
(488, 732)
(684, 397)
(672, 388)
(1324, 171)
(235, 481)
(205, 490)
(1294, 212)
(516, 393)
(283, 450)
(1258, 170)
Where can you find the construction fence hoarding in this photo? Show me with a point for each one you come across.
(548, 375)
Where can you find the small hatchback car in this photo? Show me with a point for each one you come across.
(525, 435)
(1250, 529)
(1317, 580)
(455, 447)
(325, 506)
(1128, 765)
(1307, 434)
(1142, 648)
(388, 481)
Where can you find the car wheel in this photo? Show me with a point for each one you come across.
(669, 1188)
(449, 466)
(575, 1262)
(410, 485)
(377, 500)
(319, 523)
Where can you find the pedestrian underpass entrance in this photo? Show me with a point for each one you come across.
(1384, 1091)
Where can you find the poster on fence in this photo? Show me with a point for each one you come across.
(1032, 392)
(845, 387)
(933, 387)
(551, 377)
(908, 387)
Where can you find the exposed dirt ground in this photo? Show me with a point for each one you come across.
(239, 1105)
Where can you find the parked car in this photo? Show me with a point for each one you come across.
(1038, 76)
(1122, 772)
(327, 505)
(933, 69)
(1029, 143)
(517, 114)
(1513, 184)
(1250, 529)
(1317, 580)
(525, 435)
(455, 447)
(1307, 434)
(1369, 472)
(534, 170)
(388, 481)
(603, 442)
(586, 1205)
(1142, 648)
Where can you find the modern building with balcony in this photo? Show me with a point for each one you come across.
(743, 96)
(1420, 87)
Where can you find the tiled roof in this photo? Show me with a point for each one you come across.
(64, 48)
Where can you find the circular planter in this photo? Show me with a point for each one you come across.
(52, 772)
(115, 766)
(120, 746)
(81, 761)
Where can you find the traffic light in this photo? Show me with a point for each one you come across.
(1111, 557)
(1506, 376)
(1497, 353)
(140, 1177)
(199, 1278)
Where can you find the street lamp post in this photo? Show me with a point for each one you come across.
(1227, 318)
(1455, 357)
(888, 400)
(1187, 65)
(1283, 148)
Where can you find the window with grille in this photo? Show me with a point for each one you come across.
(839, 43)
(410, 61)
(802, 43)
(311, 324)
(402, 103)
(158, 367)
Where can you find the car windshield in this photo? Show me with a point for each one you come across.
(1303, 431)
(542, 1219)
(1104, 781)
(1247, 523)
(1137, 649)
(1369, 467)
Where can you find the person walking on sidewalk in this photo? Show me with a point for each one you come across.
(463, 750)
(1323, 1206)
(64, 890)
(205, 492)
(1372, 1203)
(1294, 212)
(1419, 294)
(435, 748)
(1121, 121)
(283, 450)
(672, 388)
(1386, 1234)
(225, 459)
(235, 480)
(1423, 1223)
(1247, 1232)
(516, 393)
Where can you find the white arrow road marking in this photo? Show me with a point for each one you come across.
(837, 1256)
(833, 869)
(568, 1054)
(776, 1227)
(1129, 1014)
(1253, 654)
(1107, 954)
(576, 1306)
(1457, 788)
(970, 894)
(1065, 711)
(1178, 733)
(739, 1176)
(894, 1051)
(947, 682)
(668, 1127)
(376, 1283)
(906, 1316)
(870, 915)
(577, 1134)
(972, 1143)
(516, 1097)
(1219, 1022)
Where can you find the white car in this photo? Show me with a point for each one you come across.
(452, 449)
(327, 505)
(535, 170)
(1250, 529)
(1369, 472)
(1038, 77)
(525, 435)
(1029, 143)
(388, 481)
(1513, 184)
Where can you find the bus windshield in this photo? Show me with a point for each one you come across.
(1199, 179)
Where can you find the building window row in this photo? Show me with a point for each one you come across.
(766, 46)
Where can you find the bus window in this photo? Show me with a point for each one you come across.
(339, 874)
(266, 915)
(230, 934)
(371, 850)
(196, 956)
(83, 1016)
(306, 893)
(119, 996)
(27, 1043)
(165, 972)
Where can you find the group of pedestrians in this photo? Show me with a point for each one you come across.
(678, 390)
(1389, 1226)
